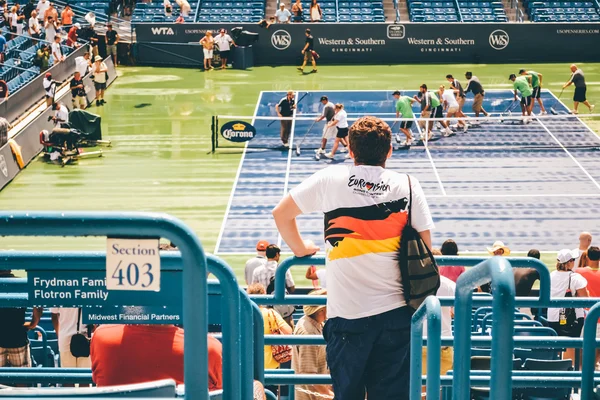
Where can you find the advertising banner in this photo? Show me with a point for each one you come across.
(344, 43)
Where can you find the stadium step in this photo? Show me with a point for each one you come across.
(390, 12)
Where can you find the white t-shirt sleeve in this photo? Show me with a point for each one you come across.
(420, 214)
(308, 195)
(289, 280)
(578, 282)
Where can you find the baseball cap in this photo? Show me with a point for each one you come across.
(512, 76)
(564, 256)
(521, 71)
(48, 75)
(262, 245)
(78, 25)
(281, 4)
(324, 98)
(397, 93)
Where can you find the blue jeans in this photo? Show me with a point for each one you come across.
(372, 354)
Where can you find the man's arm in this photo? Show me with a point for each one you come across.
(304, 48)
(277, 109)
(427, 102)
(35, 318)
(426, 236)
(285, 214)
(311, 273)
(117, 39)
(540, 76)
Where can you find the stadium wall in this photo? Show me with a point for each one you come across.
(29, 137)
(344, 43)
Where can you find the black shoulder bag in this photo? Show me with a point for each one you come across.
(420, 273)
(80, 343)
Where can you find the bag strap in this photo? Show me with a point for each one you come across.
(79, 320)
(410, 201)
(270, 314)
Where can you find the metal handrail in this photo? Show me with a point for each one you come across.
(149, 225)
(431, 310)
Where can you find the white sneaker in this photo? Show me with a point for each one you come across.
(406, 143)
(592, 107)
(343, 150)
(329, 155)
(544, 113)
(465, 128)
(318, 153)
(446, 132)
(347, 157)
(286, 145)
(398, 138)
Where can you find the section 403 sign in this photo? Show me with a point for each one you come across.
(238, 131)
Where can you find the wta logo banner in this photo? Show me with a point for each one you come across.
(238, 131)
(163, 30)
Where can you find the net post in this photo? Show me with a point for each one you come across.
(212, 133)
(216, 131)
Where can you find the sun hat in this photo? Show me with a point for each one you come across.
(497, 246)
(97, 58)
(565, 255)
(310, 310)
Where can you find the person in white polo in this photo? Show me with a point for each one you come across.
(224, 43)
(329, 132)
(208, 43)
(282, 15)
(451, 107)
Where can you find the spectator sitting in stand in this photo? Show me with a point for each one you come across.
(265, 275)
(450, 248)
(259, 261)
(272, 322)
(66, 16)
(282, 15)
(72, 35)
(14, 344)
(311, 359)
(127, 354)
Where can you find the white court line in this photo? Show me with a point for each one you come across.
(435, 171)
(569, 154)
(237, 177)
(576, 116)
(502, 196)
(289, 160)
(368, 90)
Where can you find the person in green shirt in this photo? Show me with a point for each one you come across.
(404, 108)
(522, 84)
(433, 108)
(536, 84)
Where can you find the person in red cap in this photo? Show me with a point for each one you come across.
(255, 262)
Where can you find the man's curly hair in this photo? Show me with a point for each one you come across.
(370, 139)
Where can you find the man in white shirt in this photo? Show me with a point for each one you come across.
(83, 64)
(451, 106)
(34, 26)
(265, 274)
(57, 52)
(42, 6)
(67, 322)
(61, 114)
(365, 209)
(282, 15)
(259, 261)
(224, 41)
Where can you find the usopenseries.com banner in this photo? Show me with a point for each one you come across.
(360, 43)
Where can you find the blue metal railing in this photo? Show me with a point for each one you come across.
(431, 310)
(147, 225)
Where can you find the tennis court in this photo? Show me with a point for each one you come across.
(532, 186)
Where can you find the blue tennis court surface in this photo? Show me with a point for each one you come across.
(531, 186)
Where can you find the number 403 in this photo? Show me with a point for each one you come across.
(134, 275)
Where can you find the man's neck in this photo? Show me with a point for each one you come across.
(594, 265)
